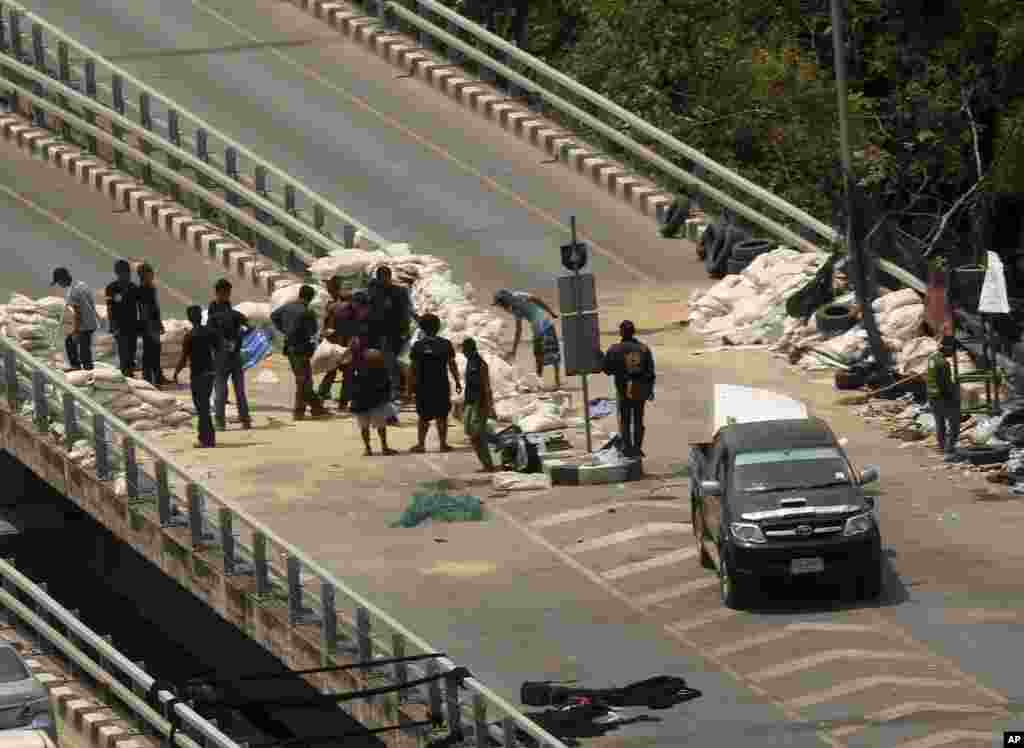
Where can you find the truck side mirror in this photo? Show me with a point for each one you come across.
(711, 488)
(869, 474)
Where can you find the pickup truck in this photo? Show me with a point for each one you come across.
(778, 497)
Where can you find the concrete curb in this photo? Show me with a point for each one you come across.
(237, 257)
(479, 97)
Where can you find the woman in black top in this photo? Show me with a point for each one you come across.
(152, 326)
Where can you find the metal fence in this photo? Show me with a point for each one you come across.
(283, 574)
(95, 657)
(288, 221)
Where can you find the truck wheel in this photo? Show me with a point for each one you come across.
(869, 586)
(732, 593)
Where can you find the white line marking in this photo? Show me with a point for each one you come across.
(950, 736)
(865, 684)
(591, 511)
(665, 559)
(634, 533)
(821, 658)
(916, 707)
(679, 590)
(713, 617)
(793, 628)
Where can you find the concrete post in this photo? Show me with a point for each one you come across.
(348, 236)
(40, 406)
(99, 432)
(328, 620)
(195, 513)
(482, 738)
(294, 590)
(38, 50)
(70, 409)
(434, 690)
(508, 726)
(259, 542)
(363, 634)
(401, 668)
(131, 468)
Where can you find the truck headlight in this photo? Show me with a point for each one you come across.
(859, 524)
(746, 532)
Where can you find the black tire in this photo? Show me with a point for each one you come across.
(984, 455)
(834, 319)
(733, 593)
(717, 263)
(869, 586)
(850, 380)
(735, 267)
(708, 241)
(748, 249)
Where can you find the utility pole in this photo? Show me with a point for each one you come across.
(860, 263)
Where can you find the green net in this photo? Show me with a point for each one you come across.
(433, 502)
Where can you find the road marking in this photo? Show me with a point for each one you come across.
(365, 105)
(87, 238)
(915, 707)
(983, 615)
(950, 736)
(790, 629)
(713, 617)
(865, 684)
(679, 590)
(576, 514)
(831, 655)
(625, 536)
(665, 559)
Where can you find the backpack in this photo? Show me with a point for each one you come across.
(633, 363)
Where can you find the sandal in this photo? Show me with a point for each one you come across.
(417, 450)
(367, 452)
(447, 448)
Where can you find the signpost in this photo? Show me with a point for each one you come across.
(577, 298)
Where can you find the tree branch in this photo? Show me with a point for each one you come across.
(949, 214)
(974, 130)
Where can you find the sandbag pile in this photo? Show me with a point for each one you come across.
(134, 401)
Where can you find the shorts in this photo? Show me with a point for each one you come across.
(546, 348)
(377, 417)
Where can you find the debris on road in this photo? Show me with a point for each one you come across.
(434, 503)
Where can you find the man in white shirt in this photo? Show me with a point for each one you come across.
(80, 313)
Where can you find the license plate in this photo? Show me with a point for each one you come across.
(806, 565)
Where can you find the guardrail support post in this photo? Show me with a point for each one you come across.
(363, 634)
(19, 53)
(3, 29)
(38, 50)
(40, 406)
(259, 552)
(117, 91)
(451, 53)
(174, 135)
(146, 118)
(434, 691)
(401, 668)
(294, 590)
(131, 468)
(70, 409)
(202, 149)
(99, 430)
(227, 539)
(348, 236)
(482, 736)
(91, 92)
(195, 514)
(328, 621)
(11, 378)
(64, 62)
(289, 199)
(451, 700)
(422, 37)
(169, 516)
(508, 729)
(41, 612)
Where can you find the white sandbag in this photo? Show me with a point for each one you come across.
(26, 332)
(123, 400)
(51, 306)
(344, 262)
(141, 384)
(895, 300)
(510, 481)
(848, 344)
(146, 425)
(544, 419)
(749, 310)
(258, 313)
(914, 354)
(176, 418)
(138, 413)
(162, 401)
(327, 356)
(80, 378)
(288, 294)
(902, 323)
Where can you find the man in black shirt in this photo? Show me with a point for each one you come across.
(298, 324)
(432, 358)
(152, 326)
(123, 314)
(200, 350)
(232, 326)
(631, 363)
(390, 315)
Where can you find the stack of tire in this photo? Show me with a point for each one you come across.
(728, 250)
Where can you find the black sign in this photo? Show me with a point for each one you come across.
(574, 256)
(1013, 738)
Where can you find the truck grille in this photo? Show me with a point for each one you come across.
(802, 529)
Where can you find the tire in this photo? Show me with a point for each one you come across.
(834, 319)
(850, 380)
(984, 455)
(748, 249)
(732, 593)
(717, 262)
(735, 267)
(869, 586)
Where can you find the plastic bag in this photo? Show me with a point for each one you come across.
(256, 346)
(986, 429)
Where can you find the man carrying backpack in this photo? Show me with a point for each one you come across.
(631, 363)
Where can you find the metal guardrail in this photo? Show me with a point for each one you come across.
(495, 57)
(247, 547)
(106, 666)
(296, 214)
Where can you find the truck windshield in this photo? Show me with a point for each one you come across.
(785, 469)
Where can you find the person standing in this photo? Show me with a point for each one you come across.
(479, 403)
(432, 358)
(944, 398)
(81, 318)
(298, 324)
(631, 364)
(123, 315)
(526, 306)
(200, 350)
(390, 314)
(338, 309)
(232, 326)
(372, 400)
(152, 326)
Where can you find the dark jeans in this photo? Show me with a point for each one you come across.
(127, 347)
(304, 394)
(78, 347)
(631, 424)
(947, 424)
(230, 368)
(151, 370)
(390, 346)
(202, 388)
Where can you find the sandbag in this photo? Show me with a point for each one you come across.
(176, 418)
(80, 378)
(139, 413)
(146, 425)
(327, 356)
(162, 401)
(543, 419)
(345, 262)
(288, 294)
(896, 299)
(51, 306)
(510, 481)
(123, 400)
(256, 312)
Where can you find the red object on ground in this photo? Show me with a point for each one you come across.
(938, 312)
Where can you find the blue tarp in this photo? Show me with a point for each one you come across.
(256, 346)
